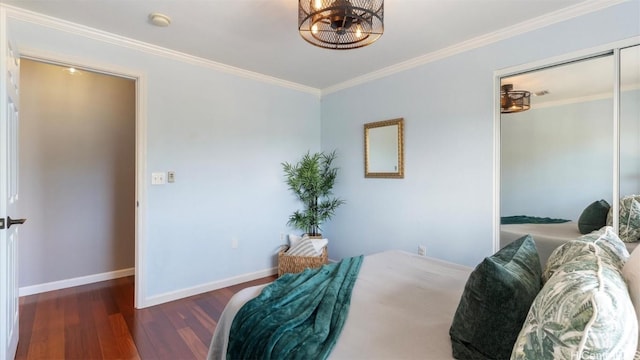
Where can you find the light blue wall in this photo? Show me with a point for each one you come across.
(445, 199)
(225, 137)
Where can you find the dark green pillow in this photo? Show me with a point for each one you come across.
(594, 217)
(495, 302)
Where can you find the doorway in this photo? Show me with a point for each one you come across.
(77, 176)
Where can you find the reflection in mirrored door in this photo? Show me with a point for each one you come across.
(630, 121)
(556, 158)
(629, 143)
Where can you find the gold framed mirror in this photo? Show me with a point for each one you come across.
(384, 149)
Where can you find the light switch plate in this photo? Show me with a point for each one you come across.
(157, 178)
(171, 176)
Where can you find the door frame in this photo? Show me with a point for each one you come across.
(10, 308)
(140, 296)
(610, 48)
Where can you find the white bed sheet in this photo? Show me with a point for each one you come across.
(402, 306)
(546, 236)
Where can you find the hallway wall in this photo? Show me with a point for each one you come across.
(77, 174)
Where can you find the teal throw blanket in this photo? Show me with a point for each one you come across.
(298, 316)
(524, 219)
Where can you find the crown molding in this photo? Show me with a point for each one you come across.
(106, 37)
(570, 101)
(571, 12)
(582, 99)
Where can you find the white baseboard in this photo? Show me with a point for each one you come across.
(180, 294)
(83, 280)
(154, 300)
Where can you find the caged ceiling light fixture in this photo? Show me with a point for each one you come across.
(341, 24)
(512, 101)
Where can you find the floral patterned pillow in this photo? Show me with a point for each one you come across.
(613, 246)
(614, 252)
(584, 311)
(629, 218)
(571, 250)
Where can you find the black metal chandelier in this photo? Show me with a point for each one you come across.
(341, 24)
(514, 100)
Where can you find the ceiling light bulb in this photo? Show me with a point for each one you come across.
(314, 29)
(72, 71)
(358, 31)
(317, 4)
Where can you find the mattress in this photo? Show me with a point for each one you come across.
(401, 307)
(546, 236)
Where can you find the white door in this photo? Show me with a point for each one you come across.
(9, 77)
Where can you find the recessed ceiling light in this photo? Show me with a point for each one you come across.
(158, 19)
(72, 71)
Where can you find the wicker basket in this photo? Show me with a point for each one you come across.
(295, 264)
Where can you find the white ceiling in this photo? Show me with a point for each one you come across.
(584, 80)
(261, 35)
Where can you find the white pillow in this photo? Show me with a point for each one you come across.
(295, 239)
(308, 247)
(631, 274)
(319, 244)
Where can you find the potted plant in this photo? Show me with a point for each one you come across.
(312, 180)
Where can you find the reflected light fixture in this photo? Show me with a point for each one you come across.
(341, 24)
(514, 100)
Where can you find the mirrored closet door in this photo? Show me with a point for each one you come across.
(559, 138)
(630, 121)
(628, 221)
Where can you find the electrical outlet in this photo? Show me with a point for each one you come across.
(422, 250)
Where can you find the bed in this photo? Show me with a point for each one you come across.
(546, 236)
(411, 298)
(405, 306)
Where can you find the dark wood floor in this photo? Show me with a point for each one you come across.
(98, 321)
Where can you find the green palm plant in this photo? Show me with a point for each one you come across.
(312, 180)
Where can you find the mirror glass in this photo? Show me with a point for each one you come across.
(557, 157)
(629, 144)
(383, 149)
(630, 121)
